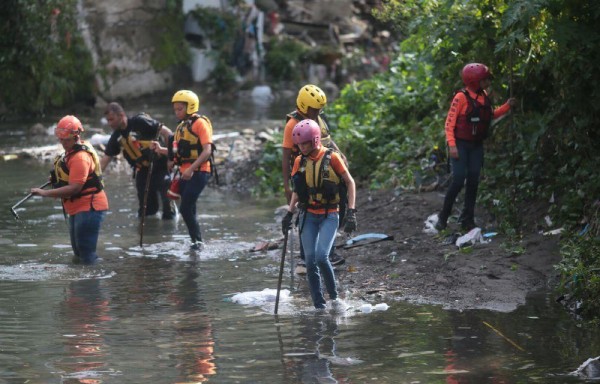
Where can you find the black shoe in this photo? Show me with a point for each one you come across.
(197, 246)
(468, 225)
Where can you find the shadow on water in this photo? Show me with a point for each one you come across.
(161, 314)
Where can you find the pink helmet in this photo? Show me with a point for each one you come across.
(307, 130)
(473, 73)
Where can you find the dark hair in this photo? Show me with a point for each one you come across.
(114, 108)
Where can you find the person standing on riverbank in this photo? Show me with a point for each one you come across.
(77, 180)
(309, 105)
(190, 149)
(467, 126)
(317, 174)
(133, 136)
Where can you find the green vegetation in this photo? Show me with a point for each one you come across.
(44, 62)
(542, 156)
(540, 160)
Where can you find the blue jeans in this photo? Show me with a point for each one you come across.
(84, 228)
(466, 168)
(190, 192)
(317, 236)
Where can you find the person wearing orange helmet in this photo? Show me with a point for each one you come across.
(133, 137)
(309, 105)
(467, 126)
(77, 181)
(317, 175)
(191, 149)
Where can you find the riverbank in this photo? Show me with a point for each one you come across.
(419, 267)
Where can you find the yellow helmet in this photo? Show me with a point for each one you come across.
(188, 97)
(310, 96)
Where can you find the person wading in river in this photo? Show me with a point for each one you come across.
(467, 125)
(309, 105)
(190, 149)
(77, 180)
(317, 175)
(133, 136)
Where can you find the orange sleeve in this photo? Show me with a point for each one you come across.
(501, 110)
(288, 142)
(296, 165)
(80, 166)
(203, 130)
(458, 106)
(338, 164)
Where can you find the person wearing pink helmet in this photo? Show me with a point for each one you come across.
(77, 181)
(467, 126)
(317, 174)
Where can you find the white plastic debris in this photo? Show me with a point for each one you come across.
(470, 238)
(430, 223)
(259, 298)
(381, 307)
(557, 231)
(366, 308)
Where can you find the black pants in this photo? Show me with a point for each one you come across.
(467, 168)
(159, 184)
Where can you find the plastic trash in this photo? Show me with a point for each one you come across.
(430, 223)
(381, 307)
(471, 238)
(557, 231)
(366, 308)
(489, 234)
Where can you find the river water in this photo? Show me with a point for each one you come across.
(159, 314)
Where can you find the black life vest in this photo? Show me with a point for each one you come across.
(142, 129)
(475, 124)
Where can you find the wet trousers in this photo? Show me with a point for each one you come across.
(159, 185)
(190, 192)
(317, 237)
(84, 228)
(467, 168)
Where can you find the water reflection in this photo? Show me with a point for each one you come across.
(85, 314)
(159, 315)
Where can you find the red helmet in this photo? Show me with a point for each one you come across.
(307, 130)
(69, 126)
(473, 73)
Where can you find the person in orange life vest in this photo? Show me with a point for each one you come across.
(309, 105)
(133, 136)
(467, 125)
(190, 148)
(77, 180)
(317, 175)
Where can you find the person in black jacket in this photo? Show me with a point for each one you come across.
(133, 136)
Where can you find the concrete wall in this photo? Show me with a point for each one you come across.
(122, 41)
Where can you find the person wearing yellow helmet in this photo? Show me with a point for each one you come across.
(133, 137)
(309, 105)
(190, 148)
(77, 181)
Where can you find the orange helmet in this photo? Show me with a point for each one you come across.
(69, 126)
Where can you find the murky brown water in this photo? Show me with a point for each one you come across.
(159, 315)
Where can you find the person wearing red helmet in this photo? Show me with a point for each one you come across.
(317, 174)
(467, 125)
(77, 181)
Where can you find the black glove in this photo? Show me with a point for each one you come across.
(286, 222)
(350, 224)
